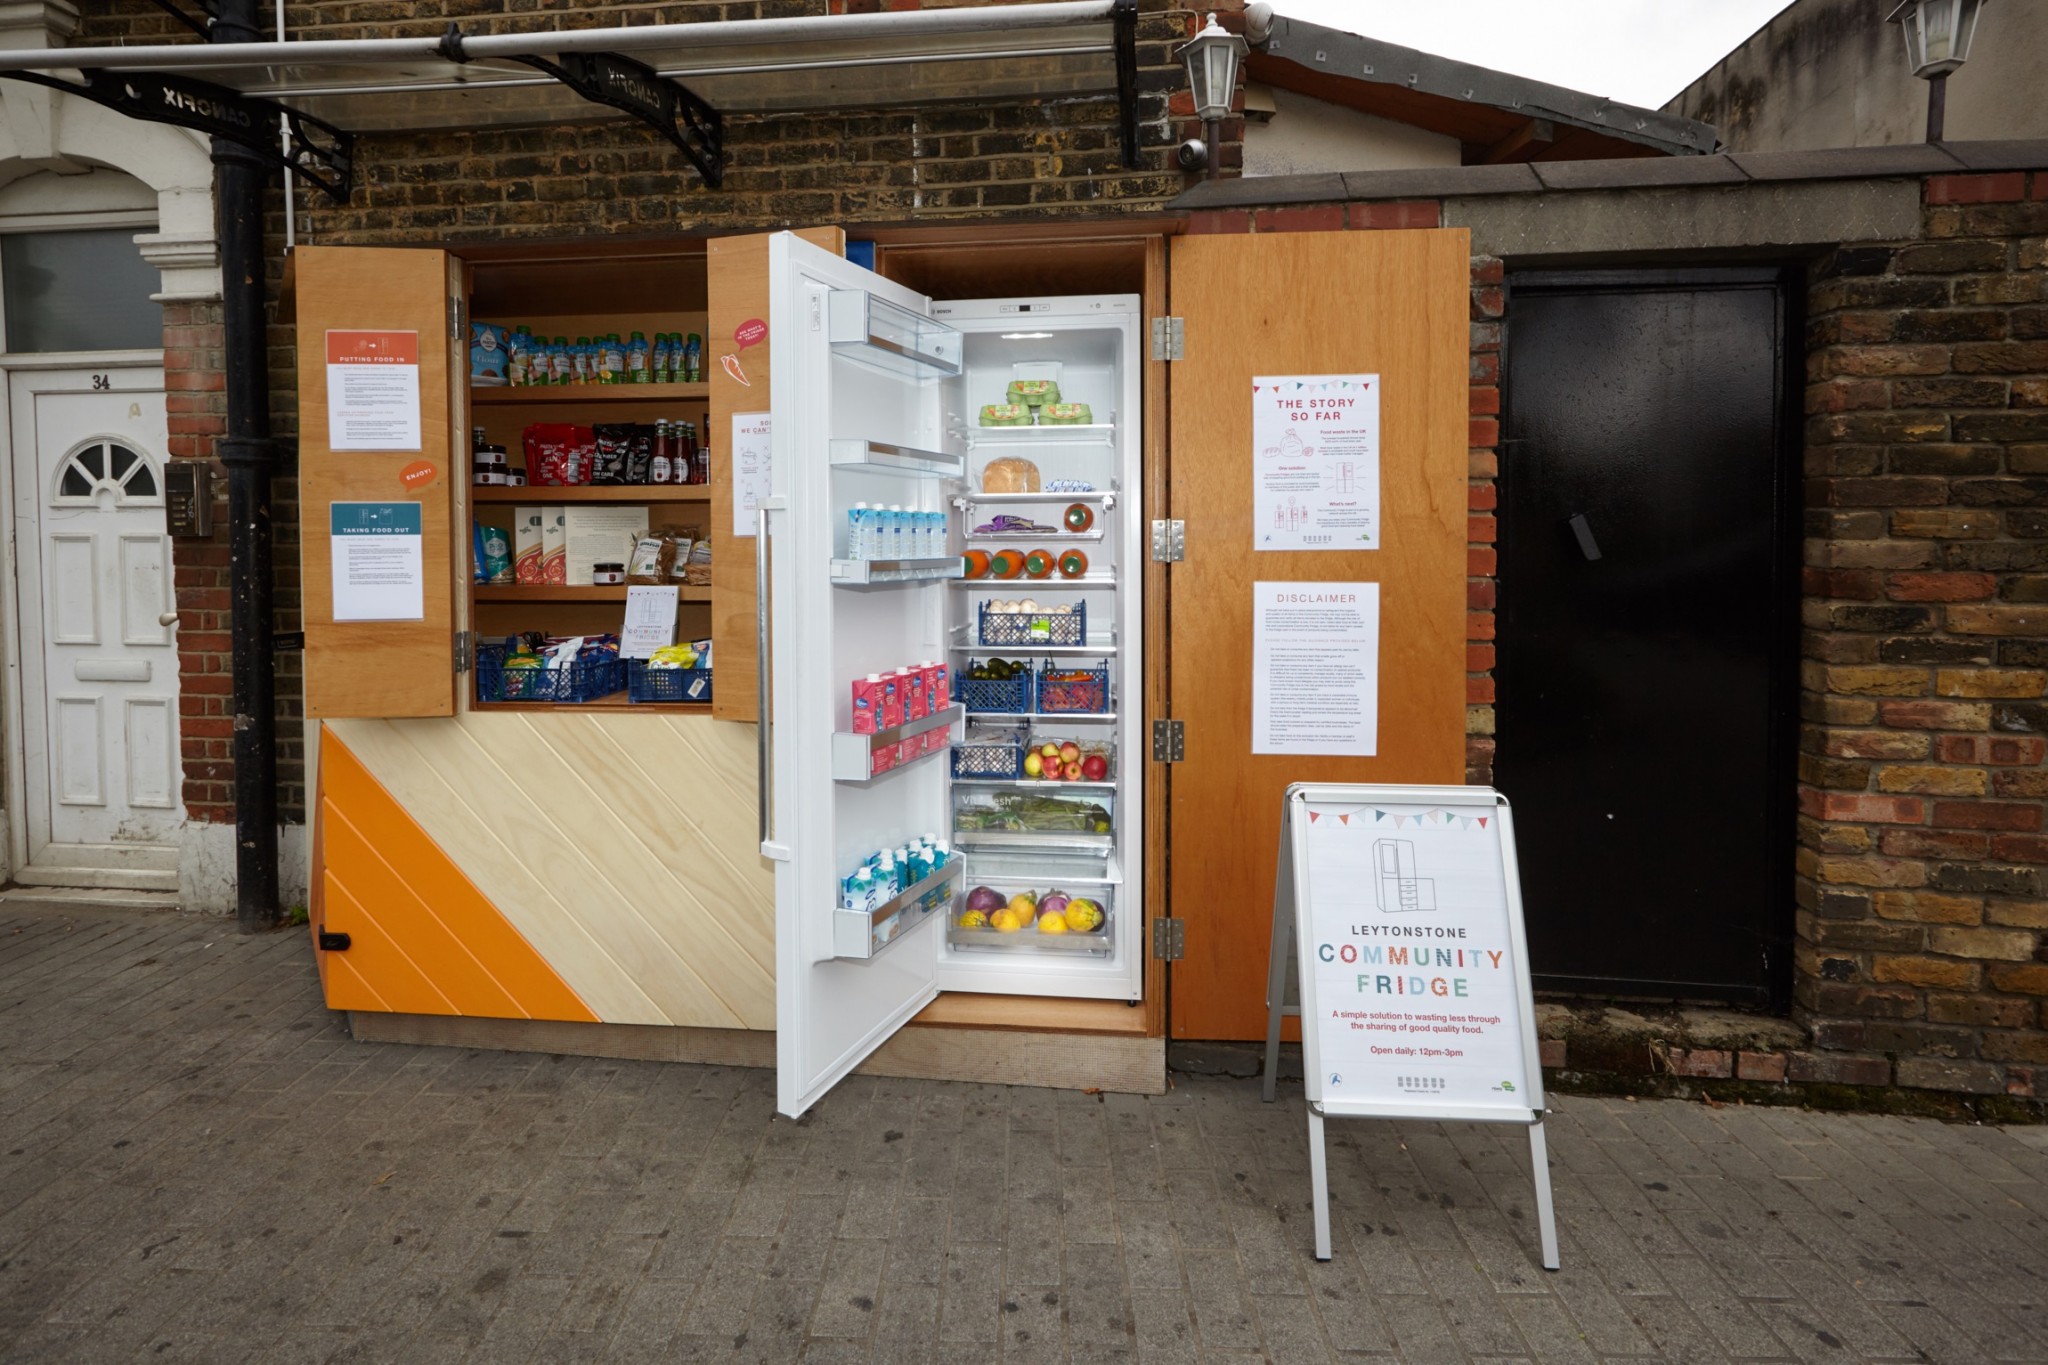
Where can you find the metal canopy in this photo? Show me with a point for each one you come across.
(830, 62)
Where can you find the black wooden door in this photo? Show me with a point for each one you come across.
(1646, 631)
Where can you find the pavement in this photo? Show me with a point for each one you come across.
(198, 1164)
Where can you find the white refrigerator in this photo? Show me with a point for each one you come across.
(1030, 768)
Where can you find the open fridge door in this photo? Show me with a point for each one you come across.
(857, 367)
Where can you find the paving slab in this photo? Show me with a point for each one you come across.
(197, 1163)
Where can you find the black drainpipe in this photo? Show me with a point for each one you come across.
(250, 459)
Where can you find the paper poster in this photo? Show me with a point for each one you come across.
(1316, 462)
(1316, 668)
(379, 561)
(750, 468)
(373, 390)
(650, 621)
(1416, 984)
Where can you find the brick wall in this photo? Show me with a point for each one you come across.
(1923, 860)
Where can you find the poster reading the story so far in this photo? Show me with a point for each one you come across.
(1415, 973)
(1316, 462)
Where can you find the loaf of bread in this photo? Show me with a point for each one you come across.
(1009, 475)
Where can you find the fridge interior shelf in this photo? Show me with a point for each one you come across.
(863, 933)
(1079, 433)
(853, 755)
(1107, 497)
(879, 332)
(863, 573)
(1022, 841)
(895, 459)
(1061, 716)
(1093, 580)
(1036, 538)
(1033, 784)
(1097, 943)
(1093, 651)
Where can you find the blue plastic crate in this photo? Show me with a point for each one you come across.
(584, 680)
(666, 684)
(1064, 691)
(989, 753)
(1034, 627)
(1010, 696)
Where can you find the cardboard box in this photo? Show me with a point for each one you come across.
(526, 546)
(554, 546)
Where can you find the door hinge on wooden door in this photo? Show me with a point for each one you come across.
(1169, 938)
(465, 650)
(1169, 741)
(1169, 338)
(1169, 541)
(455, 332)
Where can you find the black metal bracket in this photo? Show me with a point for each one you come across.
(1123, 18)
(638, 89)
(333, 943)
(320, 152)
(202, 27)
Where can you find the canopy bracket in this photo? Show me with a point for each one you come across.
(319, 151)
(202, 27)
(1123, 18)
(662, 104)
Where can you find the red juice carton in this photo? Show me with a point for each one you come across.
(868, 704)
(881, 759)
(914, 699)
(942, 684)
(891, 714)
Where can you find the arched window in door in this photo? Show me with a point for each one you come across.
(104, 465)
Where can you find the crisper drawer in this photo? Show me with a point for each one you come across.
(1034, 914)
(1035, 820)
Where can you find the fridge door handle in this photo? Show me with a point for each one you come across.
(762, 680)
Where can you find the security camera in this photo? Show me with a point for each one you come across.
(1192, 155)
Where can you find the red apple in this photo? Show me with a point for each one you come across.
(1095, 767)
(1072, 772)
(1070, 752)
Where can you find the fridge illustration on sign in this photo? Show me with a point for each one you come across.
(951, 683)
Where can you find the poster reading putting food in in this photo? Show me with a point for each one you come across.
(373, 390)
(1409, 940)
(1316, 462)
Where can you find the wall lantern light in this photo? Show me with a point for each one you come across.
(1212, 58)
(1938, 34)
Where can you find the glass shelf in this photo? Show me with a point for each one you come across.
(863, 933)
(878, 332)
(1084, 433)
(1070, 651)
(894, 459)
(1036, 584)
(864, 573)
(1105, 496)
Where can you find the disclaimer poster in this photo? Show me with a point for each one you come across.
(1316, 668)
(1316, 462)
(1415, 977)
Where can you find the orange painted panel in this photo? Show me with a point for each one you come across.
(436, 944)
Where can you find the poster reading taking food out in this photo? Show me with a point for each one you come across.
(1409, 942)
(1316, 462)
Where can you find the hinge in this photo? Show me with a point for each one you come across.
(333, 943)
(455, 331)
(1169, 541)
(1169, 338)
(1169, 742)
(465, 650)
(1169, 939)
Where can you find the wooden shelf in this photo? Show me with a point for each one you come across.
(587, 393)
(606, 592)
(633, 492)
(615, 702)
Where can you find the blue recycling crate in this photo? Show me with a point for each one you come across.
(1029, 628)
(583, 680)
(1010, 696)
(1073, 691)
(666, 684)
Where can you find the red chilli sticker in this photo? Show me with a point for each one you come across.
(418, 474)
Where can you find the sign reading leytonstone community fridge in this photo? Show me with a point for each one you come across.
(1411, 945)
(1316, 668)
(1316, 462)
(373, 390)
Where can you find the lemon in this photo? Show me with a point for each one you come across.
(1005, 921)
(1052, 922)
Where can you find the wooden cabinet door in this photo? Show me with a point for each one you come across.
(1393, 304)
(382, 667)
(738, 294)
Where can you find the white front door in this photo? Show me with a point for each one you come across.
(97, 644)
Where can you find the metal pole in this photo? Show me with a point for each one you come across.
(1937, 106)
(250, 459)
(1210, 129)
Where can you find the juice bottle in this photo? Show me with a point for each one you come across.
(636, 360)
(519, 357)
(579, 361)
(561, 362)
(856, 531)
(693, 360)
(657, 360)
(614, 359)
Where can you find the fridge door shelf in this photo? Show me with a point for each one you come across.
(863, 933)
(875, 331)
(894, 459)
(867, 573)
(853, 756)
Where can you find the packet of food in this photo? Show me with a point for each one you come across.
(678, 567)
(698, 573)
(612, 443)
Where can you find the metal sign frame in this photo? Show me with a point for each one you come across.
(638, 89)
(1293, 901)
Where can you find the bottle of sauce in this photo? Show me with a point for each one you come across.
(661, 465)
